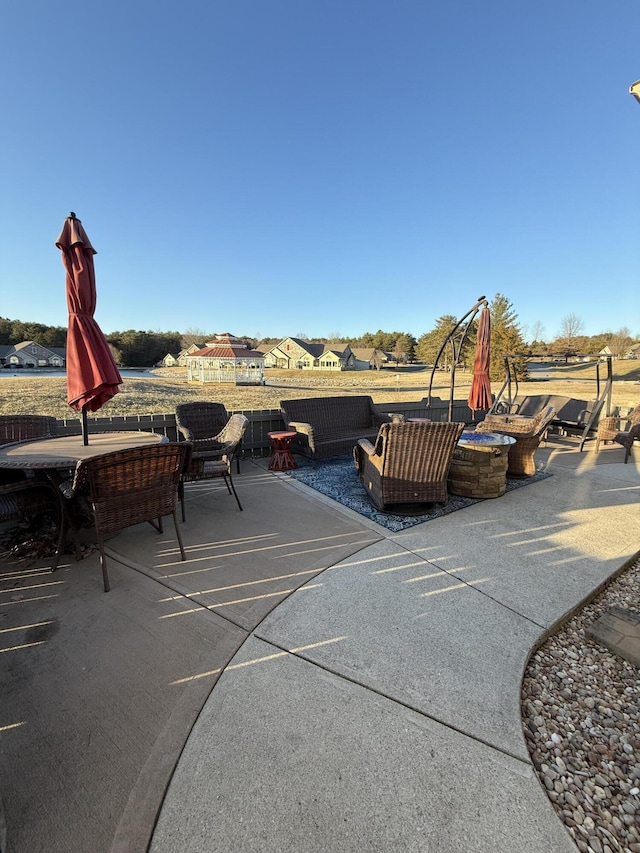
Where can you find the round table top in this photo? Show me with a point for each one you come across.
(282, 434)
(65, 451)
(484, 439)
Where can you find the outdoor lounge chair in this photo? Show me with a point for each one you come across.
(214, 459)
(408, 464)
(528, 433)
(609, 429)
(127, 487)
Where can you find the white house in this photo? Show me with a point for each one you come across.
(30, 354)
(296, 354)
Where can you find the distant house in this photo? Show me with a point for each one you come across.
(32, 355)
(633, 351)
(368, 358)
(296, 354)
(225, 359)
(169, 360)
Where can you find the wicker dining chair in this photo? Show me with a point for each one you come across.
(610, 428)
(127, 487)
(24, 428)
(201, 423)
(216, 460)
(528, 433)
(27, 500)
(408, 464)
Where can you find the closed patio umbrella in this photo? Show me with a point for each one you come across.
(92, 375)
(480, 391)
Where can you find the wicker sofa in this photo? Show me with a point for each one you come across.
(330, 426)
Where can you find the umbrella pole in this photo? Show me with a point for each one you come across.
(83, 421)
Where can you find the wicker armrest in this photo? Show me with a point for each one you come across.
(366, 446)
(298, 426)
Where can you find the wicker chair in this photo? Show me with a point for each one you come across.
(214, 459)
(201, 423)
(24, 428)
(408, 464)
(23, 501)
(609, 429)
(130, 486)
(528, 433)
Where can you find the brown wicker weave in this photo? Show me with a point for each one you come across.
(408, 464)
(330, 426)
(23, 428)
(201, 423)
(609, 429)
(130, 486)
(528, 433)
(215, 461)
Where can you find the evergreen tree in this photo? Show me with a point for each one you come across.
(506, 338)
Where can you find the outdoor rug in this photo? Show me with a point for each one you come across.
(337, 479)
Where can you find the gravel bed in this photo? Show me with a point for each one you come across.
(581, 720)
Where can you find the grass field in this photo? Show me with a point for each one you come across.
(163, 388)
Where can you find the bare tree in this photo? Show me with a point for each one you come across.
(620, 341)
(194, 336)
(536, 333)
(571, 328)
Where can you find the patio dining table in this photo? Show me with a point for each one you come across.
(63, 452)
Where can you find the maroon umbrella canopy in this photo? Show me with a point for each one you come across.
(92, 375)
(480, 391)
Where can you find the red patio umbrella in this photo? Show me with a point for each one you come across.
(480, 391)
(92, 375)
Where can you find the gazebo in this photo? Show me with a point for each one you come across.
(226, 359)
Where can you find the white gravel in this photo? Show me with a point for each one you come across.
(581, 720)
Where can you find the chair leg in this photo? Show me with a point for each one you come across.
(181, 498)
(103, 564)
(178, 535)
(229, 481)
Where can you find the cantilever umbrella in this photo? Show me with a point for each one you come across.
(92, 375)
(480, 391)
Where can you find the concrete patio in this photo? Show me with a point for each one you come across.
(305, 680)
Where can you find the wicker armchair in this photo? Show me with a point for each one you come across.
(528, 433)
(130, 486)
(408, 464)
(214, 459)
(609, 429)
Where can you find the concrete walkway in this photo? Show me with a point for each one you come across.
(305, 681)
(378, 707)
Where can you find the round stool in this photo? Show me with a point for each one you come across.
(281, 458)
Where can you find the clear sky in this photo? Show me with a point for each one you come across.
(323, 167)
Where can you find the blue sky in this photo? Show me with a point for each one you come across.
(286, 167)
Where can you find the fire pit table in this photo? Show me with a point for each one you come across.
(479, 465)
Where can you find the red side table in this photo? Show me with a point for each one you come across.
(281, 458)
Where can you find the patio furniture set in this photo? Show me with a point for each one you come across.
(117, 480)
(126, 478)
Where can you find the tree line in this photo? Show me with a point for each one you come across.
(135, 348)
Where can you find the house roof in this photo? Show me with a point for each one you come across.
(225, 345)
